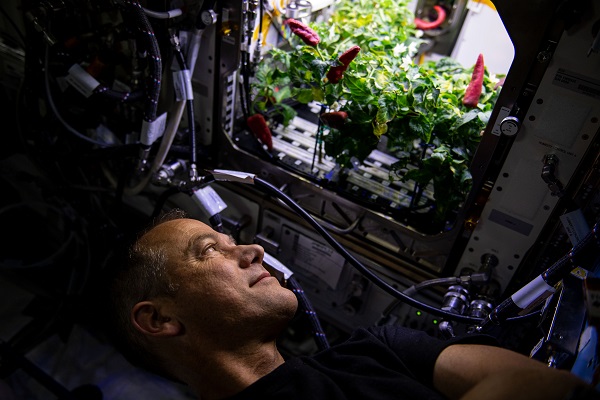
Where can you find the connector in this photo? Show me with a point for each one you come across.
(174, 39)
(232, 176)
(277, 269)
(167, 171)
(209, 201)
(549, 175)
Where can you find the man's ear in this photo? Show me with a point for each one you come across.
(149, 318)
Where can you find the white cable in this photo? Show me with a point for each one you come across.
(163, 15)
(194, 49)
(172, 124)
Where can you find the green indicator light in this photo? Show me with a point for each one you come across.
(435, 321)
(419, 313)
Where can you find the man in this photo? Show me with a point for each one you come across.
(198, 308)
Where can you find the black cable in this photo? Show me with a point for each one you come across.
(123, 97)
(581, 255)
(243, 100)
(192, 131)
(270, 189)
(246, 72)
(155, 64)
(452, 280)
(190, 109)
(307, 308)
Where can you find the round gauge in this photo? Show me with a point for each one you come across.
(510, 126)
(208, 17)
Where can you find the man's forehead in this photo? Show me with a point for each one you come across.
(176, 229)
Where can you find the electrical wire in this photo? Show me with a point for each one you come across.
(243, 104)
(173, 122)
(245, 93)
(583, 255)
(308, 310)
(123, 97)
(176, 12)
(190, 108)
(272, 190)
(155, 64)
(176, 115)
(245, 98)
(451, 280)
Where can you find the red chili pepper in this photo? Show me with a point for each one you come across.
(425, 25)
(336, 73)
(349, 55)
(473, 91)
(259, 128)
(334, 119)
(304, 32)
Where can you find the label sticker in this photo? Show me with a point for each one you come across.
(318, 259)
(151, 131)
(83, 82)
(575, 225)
(503, 113)
(577, 83)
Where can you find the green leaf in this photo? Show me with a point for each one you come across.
(304, 95)
(317, 94)
(320, 66)
(421, 127)
(379, 129)
(467, 117)
(282, 94)
(287, 112)
(385, 92)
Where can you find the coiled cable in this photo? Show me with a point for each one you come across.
(307, 308)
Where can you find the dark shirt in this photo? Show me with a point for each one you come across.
(375, 363)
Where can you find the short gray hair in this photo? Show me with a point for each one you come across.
(143, 275)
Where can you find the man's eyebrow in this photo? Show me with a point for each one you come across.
(197, 239)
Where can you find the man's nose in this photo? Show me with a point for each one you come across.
(250, 254)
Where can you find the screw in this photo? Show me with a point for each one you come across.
(544, 56)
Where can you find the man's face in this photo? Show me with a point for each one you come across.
(223, 287)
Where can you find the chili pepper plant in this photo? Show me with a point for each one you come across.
(416, 109)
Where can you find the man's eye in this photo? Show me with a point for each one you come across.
(210, 249)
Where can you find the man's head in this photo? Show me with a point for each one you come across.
(188, 289)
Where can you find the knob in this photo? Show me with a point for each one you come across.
(208, 17)
(510, 126)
